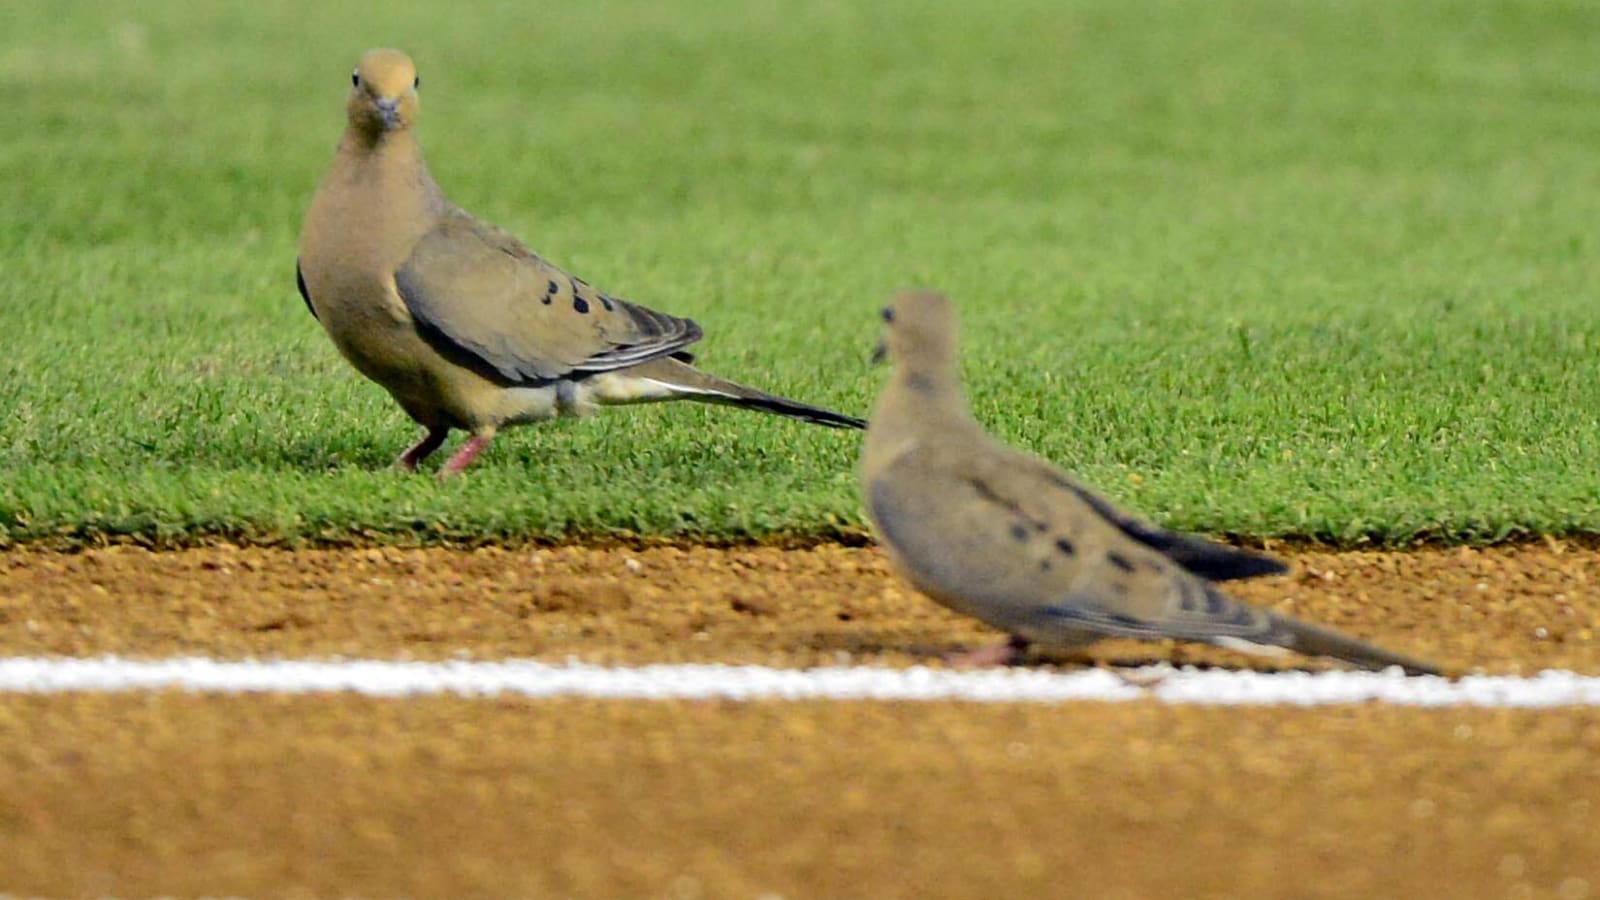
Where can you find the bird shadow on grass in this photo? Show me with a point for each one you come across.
(301, 455)
(320, 457)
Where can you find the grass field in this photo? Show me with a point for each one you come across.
(1259, 267)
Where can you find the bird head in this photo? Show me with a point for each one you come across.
(383, 93)
(919, 331)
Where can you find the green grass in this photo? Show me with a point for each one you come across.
(1266, 267)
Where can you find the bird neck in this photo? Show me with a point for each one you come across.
(357, 138)
(389, 161)
(936, 393)
(917, 412)
(385, 148)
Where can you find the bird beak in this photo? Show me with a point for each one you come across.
(390, 111)
(880, 353)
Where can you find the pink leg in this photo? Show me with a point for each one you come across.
(469, 451)
(1007, 652)
(422, 449)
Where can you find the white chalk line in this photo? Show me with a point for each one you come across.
(530, 678)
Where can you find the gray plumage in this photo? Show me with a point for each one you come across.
(1009, 539)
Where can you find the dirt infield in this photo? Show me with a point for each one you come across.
(177, 794)
(1504, 610)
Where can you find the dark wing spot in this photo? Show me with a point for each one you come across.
(1217, 562)
(1120, 561)
(300, 282)
(1019, 531)
(1065, 546)
(987, 493)
(580, 304)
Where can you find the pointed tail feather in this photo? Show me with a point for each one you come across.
(791, 408)
(689, 383)
(1313, 640)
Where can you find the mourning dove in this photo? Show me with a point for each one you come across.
(463, 325)
(1007, 538)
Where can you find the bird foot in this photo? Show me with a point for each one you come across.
(421, 450)
(1006, 653)
(469, 451)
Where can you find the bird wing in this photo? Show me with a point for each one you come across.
(1211, 560)
(984, 533)
(480, 295)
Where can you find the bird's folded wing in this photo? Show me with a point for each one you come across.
(1190, 610)
(952, 537)
(478, 294)
(1109, 573)
(1202, 556)
(988, 531)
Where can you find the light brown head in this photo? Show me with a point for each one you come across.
(383, 93)
(919, 333)
(922, 404)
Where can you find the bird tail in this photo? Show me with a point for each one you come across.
(677, 379)
(1313, 640)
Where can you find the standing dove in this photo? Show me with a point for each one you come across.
(1008, 539)
(461, 323)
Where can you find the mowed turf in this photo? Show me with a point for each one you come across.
(1254, 266)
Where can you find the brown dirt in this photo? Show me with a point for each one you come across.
(185, 795)
(1501, 610)
(300, 796)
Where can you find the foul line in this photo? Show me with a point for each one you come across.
(528, 678)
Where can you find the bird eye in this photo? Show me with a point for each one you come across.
(416, 83)
(888, 314)
(355, 78)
